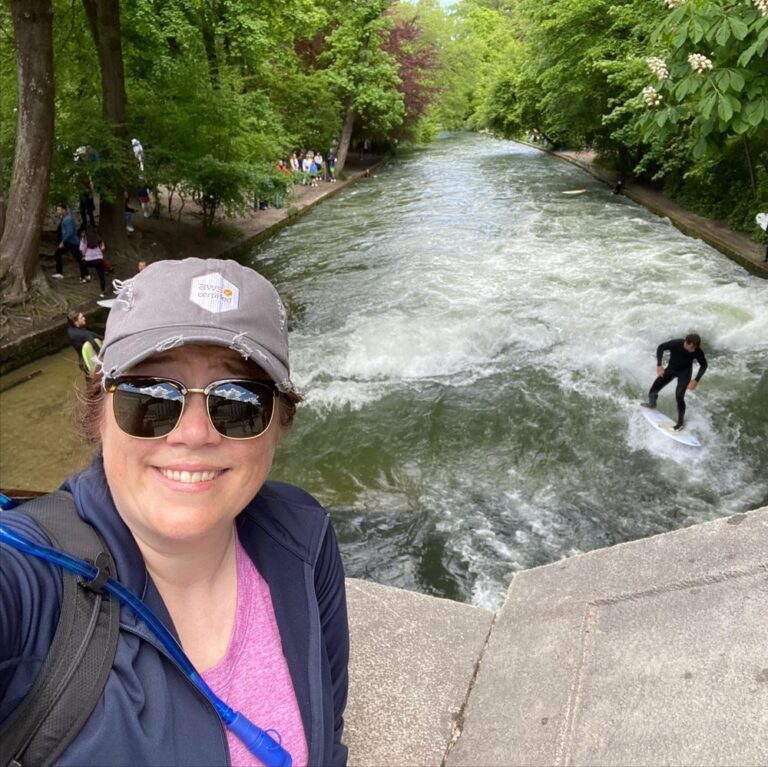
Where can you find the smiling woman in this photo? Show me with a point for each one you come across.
(188, 407)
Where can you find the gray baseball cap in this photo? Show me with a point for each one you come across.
(197, 301)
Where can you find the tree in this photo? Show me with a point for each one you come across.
(713, 97)
(416, 58)
(363, 75)
(20, 243)
(104, 21)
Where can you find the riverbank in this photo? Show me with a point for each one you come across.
(31, 332)
(738, 246)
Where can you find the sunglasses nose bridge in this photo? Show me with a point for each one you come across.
(195, 412)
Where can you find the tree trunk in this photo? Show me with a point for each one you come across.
(750, 165)
(2, 192)
(346, 137)
(104, 20)
(27, 200)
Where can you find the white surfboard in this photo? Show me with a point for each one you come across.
(664, 424)
(107, 303)
(574, 191)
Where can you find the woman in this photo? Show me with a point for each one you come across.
(193, 396)
(92, 249)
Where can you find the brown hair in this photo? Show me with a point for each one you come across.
(91, 401)
(694, 338)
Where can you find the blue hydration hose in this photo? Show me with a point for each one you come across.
(259, 742)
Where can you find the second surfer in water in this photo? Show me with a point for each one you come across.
(682, 353)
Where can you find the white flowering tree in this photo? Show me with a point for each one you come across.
(711, 84)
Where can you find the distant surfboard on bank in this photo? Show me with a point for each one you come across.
(574, 192)
(664, 424)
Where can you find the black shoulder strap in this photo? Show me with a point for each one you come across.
(73, 675)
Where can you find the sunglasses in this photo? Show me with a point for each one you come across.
(151, 408)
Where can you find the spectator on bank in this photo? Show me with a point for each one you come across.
(761, 219)
(306, 167)
(66, 233)
(87, 206)
(141, 265)
(129, 211)
(92, 247)
(142, 193)
(320, 166)
(331, 165)
(138, 153)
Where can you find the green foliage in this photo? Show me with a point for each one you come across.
(360, 74)
(217, 92)
(726, 94)
(576, 70)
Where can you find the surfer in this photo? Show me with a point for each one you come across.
(682, 353)
(79, 336)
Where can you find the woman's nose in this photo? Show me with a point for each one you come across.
(195, 428)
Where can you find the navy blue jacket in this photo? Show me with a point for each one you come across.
(149, 712)
(680, 359)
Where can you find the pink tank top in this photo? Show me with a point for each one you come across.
(253, 676)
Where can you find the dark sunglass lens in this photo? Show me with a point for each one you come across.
(241, 409)
(147, 409)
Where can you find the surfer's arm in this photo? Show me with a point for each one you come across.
(659, 355)
(702, 360)
(666, 346)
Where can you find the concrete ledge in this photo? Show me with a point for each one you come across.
(653, 652)
(413, 660)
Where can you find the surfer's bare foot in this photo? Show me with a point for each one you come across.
(678, 426)
(651, 405)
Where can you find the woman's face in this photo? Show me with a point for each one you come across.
(192, 483)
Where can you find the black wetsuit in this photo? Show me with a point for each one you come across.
(680, 366)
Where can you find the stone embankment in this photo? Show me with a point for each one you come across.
(736, 245)
(647, 653)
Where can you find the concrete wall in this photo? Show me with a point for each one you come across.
(653, 652)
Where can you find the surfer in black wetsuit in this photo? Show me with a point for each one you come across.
(78, 336)
(682, 353)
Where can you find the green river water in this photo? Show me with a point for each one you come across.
(473, 345)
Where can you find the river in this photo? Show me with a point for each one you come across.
(473, 345)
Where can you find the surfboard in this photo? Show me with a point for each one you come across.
(107, 303)
(664, 424)
(90, 355)
(575, 191)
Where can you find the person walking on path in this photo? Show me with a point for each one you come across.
(682, 353)
(87, 206)
(68, 240)
(92, 247)
(142, 192)
(129, 211)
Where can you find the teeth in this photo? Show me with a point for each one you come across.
(190, 477)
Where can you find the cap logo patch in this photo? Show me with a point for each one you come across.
(214, 293)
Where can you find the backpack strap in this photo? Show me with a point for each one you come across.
(74, 673)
